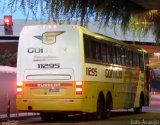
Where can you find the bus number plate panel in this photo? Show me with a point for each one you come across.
(53, 90)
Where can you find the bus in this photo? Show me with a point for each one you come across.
(67, 69)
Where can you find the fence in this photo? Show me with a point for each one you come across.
(8, 94)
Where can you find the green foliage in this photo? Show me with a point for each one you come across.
(106, 12)
(8, 58)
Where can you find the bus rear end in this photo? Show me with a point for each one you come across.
(49, 70)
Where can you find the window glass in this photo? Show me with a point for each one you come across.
(141, 61)
(104, 52)
(134, 59)
(131, 58)
(128, 58)
(146, 58)
(114, 52)
(98, 51)
(119, 55)
(138, 59)
(87, 48)
(93, 49)
(109, 54)
(123, 56)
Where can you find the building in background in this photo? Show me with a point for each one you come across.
(9, 47)
(9, 42)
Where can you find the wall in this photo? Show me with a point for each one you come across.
(7, 89)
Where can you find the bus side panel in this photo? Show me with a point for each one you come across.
(125, 88)
(91, 91)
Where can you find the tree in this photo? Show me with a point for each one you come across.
(108, 12)
(8, 58)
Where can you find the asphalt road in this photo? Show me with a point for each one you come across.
(150, 116)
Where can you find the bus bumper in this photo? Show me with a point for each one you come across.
(55, 105)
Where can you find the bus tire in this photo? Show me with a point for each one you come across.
(138, 110)
(108, 106)
(101, 112)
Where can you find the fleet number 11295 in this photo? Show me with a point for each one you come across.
(51, 65)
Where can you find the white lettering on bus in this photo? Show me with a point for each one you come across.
(49, 85)
(44, 66)
(35, 50)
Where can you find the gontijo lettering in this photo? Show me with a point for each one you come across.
(110, 73)
(35, 50)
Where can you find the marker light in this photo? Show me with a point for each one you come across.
(79, 88)
(19, 87)
(19, 90)
(19, 83)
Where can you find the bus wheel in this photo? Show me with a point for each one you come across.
(45, 117)
(108, 106)
(101, 112)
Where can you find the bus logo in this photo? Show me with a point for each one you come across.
(49, 37)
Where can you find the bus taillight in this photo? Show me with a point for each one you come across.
(19, 87)
(79, 87)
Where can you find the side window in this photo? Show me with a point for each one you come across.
(114, 52)
(104, 52)
(131, 58)
(109, 54)
(93, 49)
(127, 57)
(146, 57)
(138, 59)
(141, 61)
(87, 48)
(98, 51)
(119, 55)
(134, 59)
(123, 56)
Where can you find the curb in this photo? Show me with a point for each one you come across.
(18, 116)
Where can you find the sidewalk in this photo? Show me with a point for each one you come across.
(17, 116)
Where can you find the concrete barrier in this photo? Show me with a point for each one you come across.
(8, 95)
(7, 90)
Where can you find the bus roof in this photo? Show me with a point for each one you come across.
(111, 40)
(88, 32)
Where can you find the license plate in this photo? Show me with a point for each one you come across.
(53, 90)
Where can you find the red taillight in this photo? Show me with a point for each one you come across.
(19, 87)
(79, 87)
